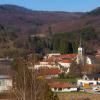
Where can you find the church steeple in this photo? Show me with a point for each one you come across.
(80, 57)
(80, 49)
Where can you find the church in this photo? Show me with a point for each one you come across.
(64, 61)
(82, 58)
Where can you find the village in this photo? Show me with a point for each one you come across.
(49, 50)
(55, 65)
(55, 68)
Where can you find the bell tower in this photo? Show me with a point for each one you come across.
(80, 57)
(80, 50)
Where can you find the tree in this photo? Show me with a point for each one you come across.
(28, 85)
(75, 70)
(91, 69)
(70, 48)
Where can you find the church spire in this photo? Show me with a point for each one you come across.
(80, 42)
(80, 58)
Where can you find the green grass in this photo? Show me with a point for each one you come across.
(70, 80)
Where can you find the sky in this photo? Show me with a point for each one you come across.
(56, 5)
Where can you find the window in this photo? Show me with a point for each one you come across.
(68, 87)
(2, 82)
(91, 83)
(86, 78)
(55, 88)
(60, 89)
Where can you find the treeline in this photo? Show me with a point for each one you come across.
(95, 12)
(67, 42)
(61, 42)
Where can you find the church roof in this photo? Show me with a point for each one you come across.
(93, 59)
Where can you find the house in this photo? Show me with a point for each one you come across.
(68, 56)
(86, 83)
(97, 77)
(88, 77)
(81, 57)
(91, 77)
(45, 64)
(5, 83)
(49, 73)
(51, 55)
(89, 80)
(64, 61)
(49, 62)
(62, 87)
(65, 64)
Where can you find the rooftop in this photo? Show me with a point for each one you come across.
(60, 85)
(5, 77)
(68, 56)
(66, 61)
(49, 71)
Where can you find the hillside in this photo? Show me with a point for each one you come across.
(18, 23)
(89, 19)
(24, 21)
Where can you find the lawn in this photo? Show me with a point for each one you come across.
(70, 80)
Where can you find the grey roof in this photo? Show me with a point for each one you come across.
(91, 76)
(97, 75)
(93, 59)
(5, 77)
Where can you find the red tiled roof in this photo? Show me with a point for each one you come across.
(49, 71)
(60, 85)
(54, 71)
(60, 57)
(66, 61)
(68, 56)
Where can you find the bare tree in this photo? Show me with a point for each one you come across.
(28, 85)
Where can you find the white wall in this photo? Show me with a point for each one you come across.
(45, 66)
(86, 82)
(64, 90)
(88, 61)
(66, 65)
(53, 54)
(5, 84)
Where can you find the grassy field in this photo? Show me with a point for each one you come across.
(78, 96)
(70, 80)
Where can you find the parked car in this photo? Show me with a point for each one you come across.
(96, 89)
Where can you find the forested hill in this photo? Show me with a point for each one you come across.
(21, 20)
(18, 23)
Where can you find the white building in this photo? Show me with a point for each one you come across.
(46, 65)
(81, 58)
(5, 83)
(63, 87)
(51, 54)
(89, 80)
(65, 64)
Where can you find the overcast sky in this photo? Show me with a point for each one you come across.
(56, 5)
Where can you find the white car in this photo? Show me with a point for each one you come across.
(96, 89)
